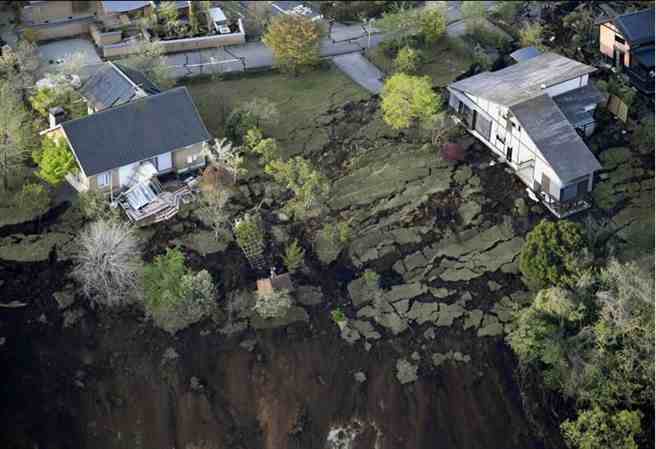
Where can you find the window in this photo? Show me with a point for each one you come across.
(619, 39)
(104, 179)
(501, 139)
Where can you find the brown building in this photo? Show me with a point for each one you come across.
(628, 41)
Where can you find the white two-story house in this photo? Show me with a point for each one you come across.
(528, 114)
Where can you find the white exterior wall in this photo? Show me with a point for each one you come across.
(524, 149)
(566, 86)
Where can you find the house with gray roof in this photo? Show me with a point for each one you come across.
(532, 115)
(121, 146)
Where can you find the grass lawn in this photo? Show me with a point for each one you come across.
(300, 100)
(443, 61)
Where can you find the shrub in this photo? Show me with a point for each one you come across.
(481, 58)
(108, 263)
(253, 138)
(294, 255)
(294, 41)
(407, 61)
(94, 206)
(34, 198)
(596, 428)
(474, 14)
(175, 297)
(531, 36)
(507, 11)
(274, 304)
(298, 175)
(267, 149)
(549, 256)
(264, 111)
(56, 161)
(643, 136)
(407, 100)
(331, 240)
(372, 279)
(604, 195)
(238, 124)
(433, 24)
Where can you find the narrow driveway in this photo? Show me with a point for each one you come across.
(360, 70)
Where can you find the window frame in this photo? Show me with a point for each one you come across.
(107, 176)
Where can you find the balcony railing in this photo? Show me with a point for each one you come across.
(563, 209)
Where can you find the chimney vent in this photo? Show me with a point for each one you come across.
(56, 116)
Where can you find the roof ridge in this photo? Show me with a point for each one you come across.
(627, 14)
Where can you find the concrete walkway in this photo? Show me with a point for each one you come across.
(360, 70)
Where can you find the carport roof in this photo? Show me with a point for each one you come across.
(119, 6)
(136, 131)
(113, 85)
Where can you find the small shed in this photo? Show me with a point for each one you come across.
(524, 54)
(275, 282)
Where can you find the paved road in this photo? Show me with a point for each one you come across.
(256, 55)
(360, 70)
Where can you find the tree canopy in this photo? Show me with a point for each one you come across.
(408, 100)
(56, 161)
(549, 256)
(294, 41)
(15, 131)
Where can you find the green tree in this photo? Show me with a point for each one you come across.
(293, 257)
(262, 110)
(56, 161)
(596, 428)
(531, 36)
(643, 136)
(174, 296)
(239, 122)
(34, 198)
(473, 11)
(543, 333)
(549, 256)
(266, 148)
(168, 13)
(331, 240)
(150, 59)
(401, 24)
(407, 61)
(15, 132)
(63, 95)
(298, 175)
(273, 304)
(94, 205)
(432, 23)
(408, 100)
(294, 41)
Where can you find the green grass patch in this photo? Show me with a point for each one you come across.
(300, 100)
(442, 62)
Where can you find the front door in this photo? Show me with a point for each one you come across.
(618, 56)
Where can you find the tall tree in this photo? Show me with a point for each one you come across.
(15, 132)
(408, 100)
(294, 41)
(150, 60)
